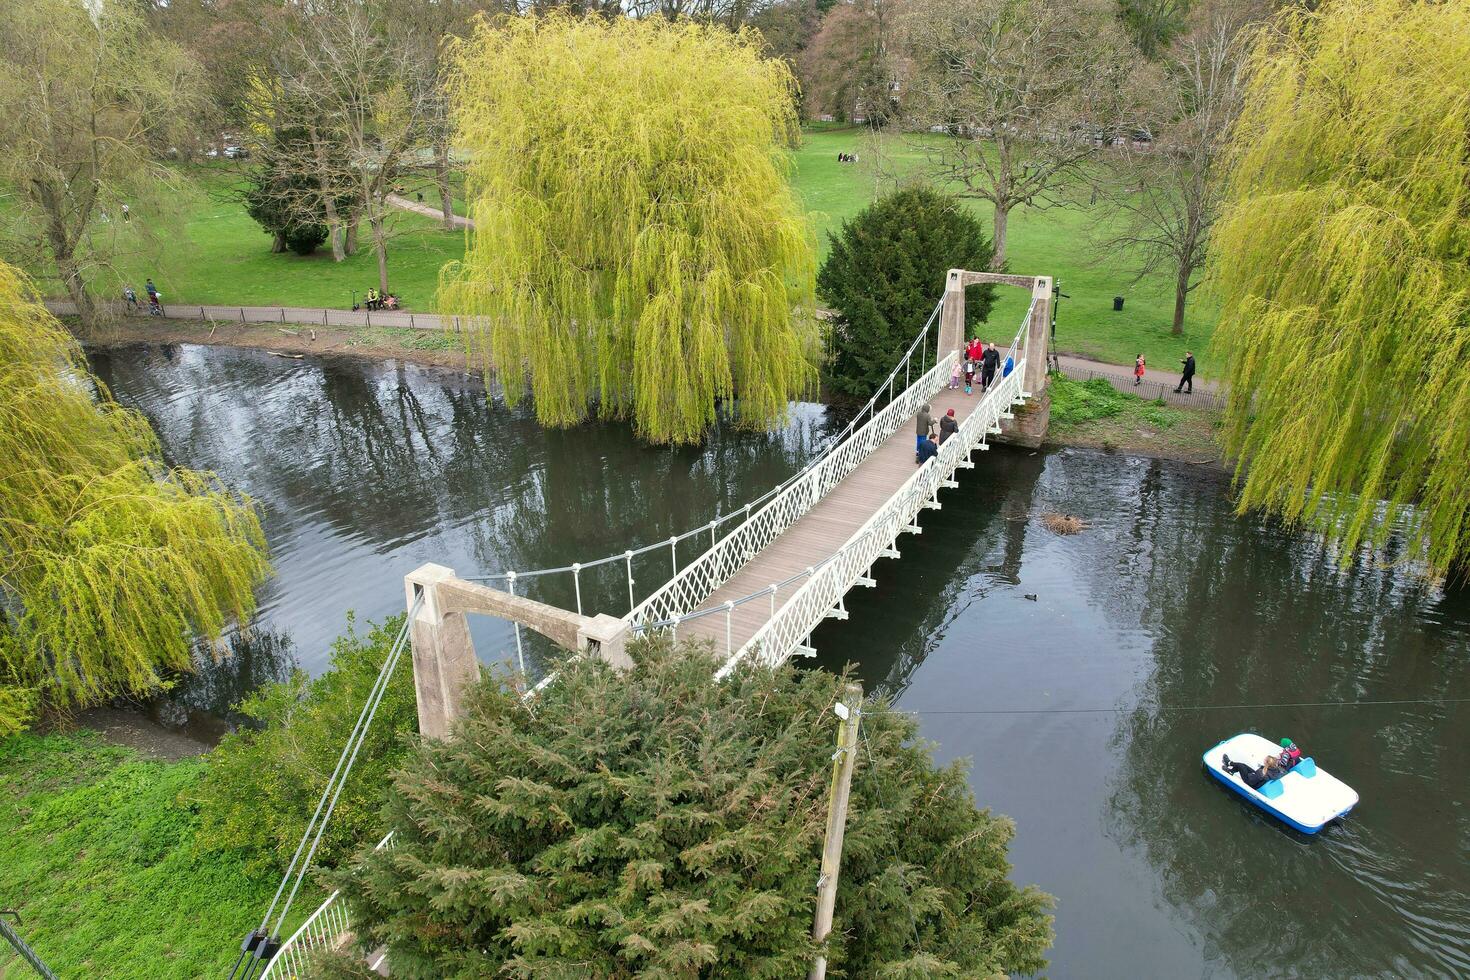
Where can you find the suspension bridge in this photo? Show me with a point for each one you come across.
(753, 584)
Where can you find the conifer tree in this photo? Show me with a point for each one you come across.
(637, 245)
(111, 562)
(884, 274)
(656, 823)
(1342, 263)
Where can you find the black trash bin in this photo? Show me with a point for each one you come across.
(1117, 303)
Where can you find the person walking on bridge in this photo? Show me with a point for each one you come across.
(1188, 377)
(923, 425)
(989, 361)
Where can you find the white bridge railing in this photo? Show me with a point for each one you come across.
(792, 622)
(325, 929)
(698, 580)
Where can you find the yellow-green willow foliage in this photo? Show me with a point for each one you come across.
(637, 244)
(1343, 266)
(111, 562)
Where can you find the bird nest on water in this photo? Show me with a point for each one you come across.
(1063, 523)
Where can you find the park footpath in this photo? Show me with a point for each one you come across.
(1156, 384)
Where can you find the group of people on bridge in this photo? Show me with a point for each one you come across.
(981, 358)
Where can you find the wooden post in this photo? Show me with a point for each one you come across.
(842, 763)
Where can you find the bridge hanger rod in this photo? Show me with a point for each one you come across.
(886, 384)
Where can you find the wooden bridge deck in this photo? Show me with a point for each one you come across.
(820, 532)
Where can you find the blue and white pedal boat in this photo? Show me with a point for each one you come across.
(1306, 798)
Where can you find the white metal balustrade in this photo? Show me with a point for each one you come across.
(795, 619)
(328, 928)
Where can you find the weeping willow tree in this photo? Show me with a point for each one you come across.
(637, 246)
(1342, 263)
(111, 563)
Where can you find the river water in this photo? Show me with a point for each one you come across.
(1082, 675)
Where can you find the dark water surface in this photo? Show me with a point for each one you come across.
(1165, 626)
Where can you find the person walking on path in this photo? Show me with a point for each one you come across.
(151, 289)
(923, 423)
(1188, 377)
(131, 298)
(1138, 371)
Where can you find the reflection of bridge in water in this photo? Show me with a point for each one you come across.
(769, 573)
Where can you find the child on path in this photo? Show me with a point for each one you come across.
(954, 377)
(1138, 371)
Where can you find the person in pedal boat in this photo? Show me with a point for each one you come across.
(1290, 754)
(1256, 777)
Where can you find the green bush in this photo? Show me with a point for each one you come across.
(655, 823)
(99, 853)
(1076, 403)
(262, 785)
(883, 276)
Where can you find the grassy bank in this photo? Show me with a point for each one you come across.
(1052, 242)
(98, 852)
(1094, 413)
(225, 258)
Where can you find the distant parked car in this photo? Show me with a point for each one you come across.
(236, 152)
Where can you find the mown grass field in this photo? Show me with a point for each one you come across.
(97, 847)
(225, 258)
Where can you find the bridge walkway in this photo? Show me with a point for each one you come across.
(821, 531)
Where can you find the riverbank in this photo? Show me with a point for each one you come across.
(1094, 414)
(1119, 422)
(102, 858)
(430, 348)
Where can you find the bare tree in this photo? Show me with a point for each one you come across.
(89, 97)
(1031, 89)
(366, 99)
(1158, 202)
(848, 66)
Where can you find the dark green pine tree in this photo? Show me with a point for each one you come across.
(655, 823)
(883, 276)
(284, 197)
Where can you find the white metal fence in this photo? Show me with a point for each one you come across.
(325, 929)
(698, 580)
(794, 620)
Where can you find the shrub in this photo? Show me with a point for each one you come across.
(883, 276)
(656, 823)
(262, 785)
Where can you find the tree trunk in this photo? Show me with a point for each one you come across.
(1002, 216)
(380, 243)
(1181, 293)
(441, 174)
(352, 235)
(71, 274)
(329, 204)
(334, 228)
(278, 242)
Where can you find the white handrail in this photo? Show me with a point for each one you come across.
(698, 580)
(827, 584)
(326, 928)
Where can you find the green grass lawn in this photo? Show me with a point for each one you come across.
(1052, 242)
(225, 258)
(97, 852)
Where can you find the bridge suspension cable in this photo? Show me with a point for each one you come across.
(259, 946)
(903, 364)
(673, 622)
